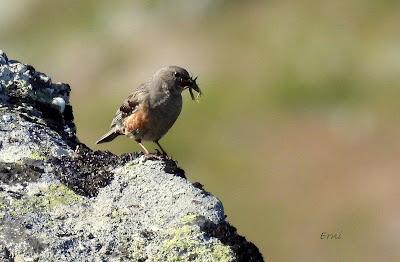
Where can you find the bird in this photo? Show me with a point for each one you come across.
(152, 107)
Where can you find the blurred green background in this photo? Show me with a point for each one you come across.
(298, 129)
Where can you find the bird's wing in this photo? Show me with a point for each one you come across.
(130, 104)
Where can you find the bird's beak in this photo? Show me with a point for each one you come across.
(195, 87)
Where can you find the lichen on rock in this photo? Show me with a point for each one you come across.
(62, 201)
(187, 242)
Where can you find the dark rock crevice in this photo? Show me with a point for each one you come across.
(245, 251)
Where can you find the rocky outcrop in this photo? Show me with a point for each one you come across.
(61, 201)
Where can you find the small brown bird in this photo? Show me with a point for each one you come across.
(152, 108)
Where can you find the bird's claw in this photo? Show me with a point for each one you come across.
(157, 156)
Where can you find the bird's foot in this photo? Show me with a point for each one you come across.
(161, 153)
(156, 156)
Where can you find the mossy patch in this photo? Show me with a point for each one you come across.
(46, 200)
(61, 195)
(2, 207)
(187, 243)
(37, 156)
(137, 249)
(188, 219)
(88, 170)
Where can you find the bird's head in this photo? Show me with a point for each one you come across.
(178, 79)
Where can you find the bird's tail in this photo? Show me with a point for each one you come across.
(108, 137)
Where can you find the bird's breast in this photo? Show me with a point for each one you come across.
(163, 116)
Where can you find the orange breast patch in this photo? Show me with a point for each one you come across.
(138, 121)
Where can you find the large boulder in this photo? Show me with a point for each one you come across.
(61, 201)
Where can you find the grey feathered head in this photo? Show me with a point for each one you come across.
(178, 79)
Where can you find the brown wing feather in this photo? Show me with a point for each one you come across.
(129, 106)
(138, 121)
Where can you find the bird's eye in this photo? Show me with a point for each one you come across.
(176, 74)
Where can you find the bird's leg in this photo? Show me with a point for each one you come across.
(162, 149)
(146, 152)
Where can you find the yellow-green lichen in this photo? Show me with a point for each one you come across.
(48, 199)
(37, 156)
(119, 213)
(187, 243)
(2, 207)
(188, 219)
(59, 194)
(137, 249)
(24, 89)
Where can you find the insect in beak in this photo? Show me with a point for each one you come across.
(195, 87)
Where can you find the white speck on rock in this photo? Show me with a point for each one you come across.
(45, 78)
(60, 152)
(60, 103)
(2, 58)
(7, 118)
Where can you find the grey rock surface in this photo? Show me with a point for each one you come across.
(61, 201)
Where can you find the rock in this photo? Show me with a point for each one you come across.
(61, 201)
